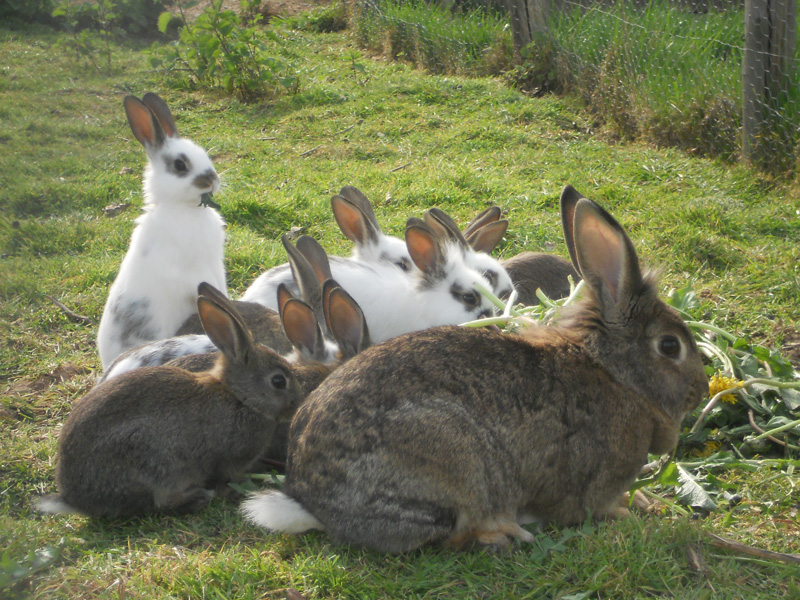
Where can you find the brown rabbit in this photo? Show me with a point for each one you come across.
(538, 270)
(457, 435)
(164, 439)
(313, 359)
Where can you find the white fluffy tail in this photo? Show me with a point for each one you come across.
(276, 511)
(55, 505)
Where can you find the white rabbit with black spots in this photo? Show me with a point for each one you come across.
(177, 243)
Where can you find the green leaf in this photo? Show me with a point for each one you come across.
(164, 19)
(669, 474)
(791, 398)
(692, 493)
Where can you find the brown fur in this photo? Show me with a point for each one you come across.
(453, 433)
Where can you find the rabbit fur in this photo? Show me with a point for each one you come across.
(311, 362)
(176, 244)
(475, 252)
(265, 324)
(440, 291)
(454, 435)
(164, 439)
(356, 219)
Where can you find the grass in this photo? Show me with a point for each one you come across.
(653, 71)
(461, 144)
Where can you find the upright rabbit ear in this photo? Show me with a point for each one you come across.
(606, 255)
(357, 198)
(305, 277)
(569, 199)
(345, 320)
(488, 215)
(354, 223)
(144, 123)
(223, 325)
(316, 257)
(424, 248)
(302, 329)
(445, 227)
(162, 113)
(486, 238)
(284, 295)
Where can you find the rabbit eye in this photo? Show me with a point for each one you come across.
(404, 265)
(278, 381)
(470, 299)
(669, 346)
(180, 166)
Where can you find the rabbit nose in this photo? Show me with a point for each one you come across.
(207, 179)
(485, 313)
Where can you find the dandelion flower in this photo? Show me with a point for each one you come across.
(720, 383)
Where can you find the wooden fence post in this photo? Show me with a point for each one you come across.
(528, 18)
(770, 36)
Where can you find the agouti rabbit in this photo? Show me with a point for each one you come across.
(162, 438)
(457, 435)
(177, 243)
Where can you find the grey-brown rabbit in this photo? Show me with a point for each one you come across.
(457, 435)
(162, 438)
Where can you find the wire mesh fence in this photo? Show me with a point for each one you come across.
(674, 72)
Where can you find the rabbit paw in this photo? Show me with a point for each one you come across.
(495, 534)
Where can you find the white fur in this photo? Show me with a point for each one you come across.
(158, 353)
(52, 505)
(394, 302)
(176, 245)
(483, 263)
(276, 511)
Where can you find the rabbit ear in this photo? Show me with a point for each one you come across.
(606, 255)
(223, 325)
(284, 295)
(316, 257)
(424, 247)
(354, 223)
(144, 124)
(357, 198)
(302, 329)
(445, 227)
(569, 199)
(345, 320)
(302, 271)
(486, 238)
(489, 215)
(162, 113)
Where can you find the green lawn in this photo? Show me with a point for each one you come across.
(410, 141)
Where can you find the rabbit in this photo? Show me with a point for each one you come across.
(265, 324)
(311, 360)
(475, 254)
(455, 435)
(162, 439)
(177, 243)
(529, 271)
(355, 217)
(538, 270)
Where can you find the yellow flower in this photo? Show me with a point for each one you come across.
(720, 383)
(707, 450)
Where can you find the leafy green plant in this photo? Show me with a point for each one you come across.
(219, 51)
(91, 28)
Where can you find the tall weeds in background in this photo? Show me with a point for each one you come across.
(667, 75)
(433, 37)
(223, 50)
(653, 71)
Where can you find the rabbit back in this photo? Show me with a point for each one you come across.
(537, 270)
(158, 438)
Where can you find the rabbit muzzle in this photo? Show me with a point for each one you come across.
(207, 181)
